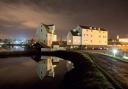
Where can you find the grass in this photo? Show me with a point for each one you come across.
(98, 78)
(115, 57)
(114, 82)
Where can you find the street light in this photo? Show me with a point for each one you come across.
(114, 51)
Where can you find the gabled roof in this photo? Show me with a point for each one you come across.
(48, 27)
(92, 28)
(75, 32)
(86, 27)
(103, 29)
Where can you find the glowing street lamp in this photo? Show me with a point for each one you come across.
(114, 51)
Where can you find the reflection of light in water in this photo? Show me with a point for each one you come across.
(69, 65)
(17, 48)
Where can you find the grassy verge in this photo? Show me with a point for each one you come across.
(101, 76)
(114, 82)
(115, 57)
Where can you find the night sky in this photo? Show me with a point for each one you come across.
(20, 18)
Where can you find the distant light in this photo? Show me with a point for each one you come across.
(114, 51)
(1, 43)
(17, 42)
(100, 48)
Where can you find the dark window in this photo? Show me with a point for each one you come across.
(41, 30)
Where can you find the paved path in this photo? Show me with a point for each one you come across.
(117, 69)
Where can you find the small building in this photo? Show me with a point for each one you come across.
(119, 42)
(58, 45)
(46, 34)
(74, 38)
(122, 39)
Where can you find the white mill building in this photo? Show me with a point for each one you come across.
(45, 34)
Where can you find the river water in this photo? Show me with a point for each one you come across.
(12, 48)
(22, 72)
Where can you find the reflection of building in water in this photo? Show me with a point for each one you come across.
(45, 67)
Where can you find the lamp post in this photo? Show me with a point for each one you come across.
(115, 51)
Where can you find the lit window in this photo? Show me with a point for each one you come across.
(69, 40)
(99, 36)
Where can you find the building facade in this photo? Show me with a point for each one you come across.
(88, 36)
(74, 38)
(46, 34)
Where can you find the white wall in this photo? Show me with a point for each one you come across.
(49, 39)
(69, 38)
(54, 38)
(43, 36)
(76, 40)
(94, 37)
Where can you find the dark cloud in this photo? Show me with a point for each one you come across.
(21, 17)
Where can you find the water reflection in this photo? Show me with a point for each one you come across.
(46, 66)
(12, 48)
(17, 48)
